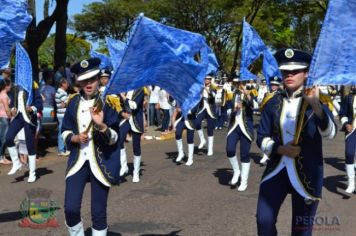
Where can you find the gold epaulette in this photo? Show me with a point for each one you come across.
(326, 99)
(266, 99)
(114, 102)
(71, 96)
(35, 85)
(229, 96)
(214, 86)
(254, 92)
(146, 91)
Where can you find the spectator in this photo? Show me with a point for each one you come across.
(165, 107)
(69, 74)
(61, 99)
(48, 92)
(60, 73)
(153, 109)
(5, 115)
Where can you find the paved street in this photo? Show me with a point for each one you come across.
(173, 199)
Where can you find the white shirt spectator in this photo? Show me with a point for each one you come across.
(60, 98)
(154, 94)
(163, 100)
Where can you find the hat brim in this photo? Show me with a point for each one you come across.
(88, 75)
(291, 67)
(275, 83)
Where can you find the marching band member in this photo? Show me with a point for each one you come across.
(275, 83)
(25, 116)
(179, 124)
(132, 121)
(90, 131)
(207, 111)
(348, 122)
(104, 77)
(290, 132)
(241, 129)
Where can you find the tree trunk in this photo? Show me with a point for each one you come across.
(60, 45)
(257, 4)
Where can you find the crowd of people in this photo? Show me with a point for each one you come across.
(92, 132)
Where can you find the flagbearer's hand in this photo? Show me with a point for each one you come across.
(349, 128)
(29, 108)
(80, 138)
(289, 150)
(311, 96)
(98, 118)
(13, 112)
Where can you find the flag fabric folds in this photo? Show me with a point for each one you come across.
(252, 48)
(14, 20)
(160, 55)
(105, 60)
(23, 71)
(116, 50)
(334, 57)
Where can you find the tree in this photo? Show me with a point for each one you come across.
(108, 18)
(37, 34)
(77, 49)
(60, 52)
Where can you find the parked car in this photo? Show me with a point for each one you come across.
(49, 122)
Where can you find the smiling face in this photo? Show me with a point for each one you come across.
(89, 86)
(294, 79)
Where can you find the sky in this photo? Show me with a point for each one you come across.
(74, 7)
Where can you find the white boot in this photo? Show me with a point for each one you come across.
(235, 167)
(136, 171)
(264, 159)
(76, 230)
(202, 139)
(16, 164)
(350, 170)
(180, 150)
(190, 154)
(210, 145)
(245, 170)
(32, 167)
(123, 160)
(95, 232)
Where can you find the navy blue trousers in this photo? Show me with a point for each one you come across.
(350, 148)
(30, 131)
(75, 185)
(125, 128)
(271, 196)
(245, 145)
(222, 116)
(211, 122)
(179, 130)
(165, 120)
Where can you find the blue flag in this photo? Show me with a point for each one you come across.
(23, 71)
(14, 20)
(270, 67)
(252, 48)
(116, 50)
(105, 60)
(160, 55)
(334, 58)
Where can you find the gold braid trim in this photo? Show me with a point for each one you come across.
(266, 99)
(114, 102)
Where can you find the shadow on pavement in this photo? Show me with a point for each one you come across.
(224, 175)
(173, 233)
(256, 157)
(88, 233)
(336, 162)
(10, 216)
(39, 173)
(334, 183)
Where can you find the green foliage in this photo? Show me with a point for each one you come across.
(77, 49)
(280, 23)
